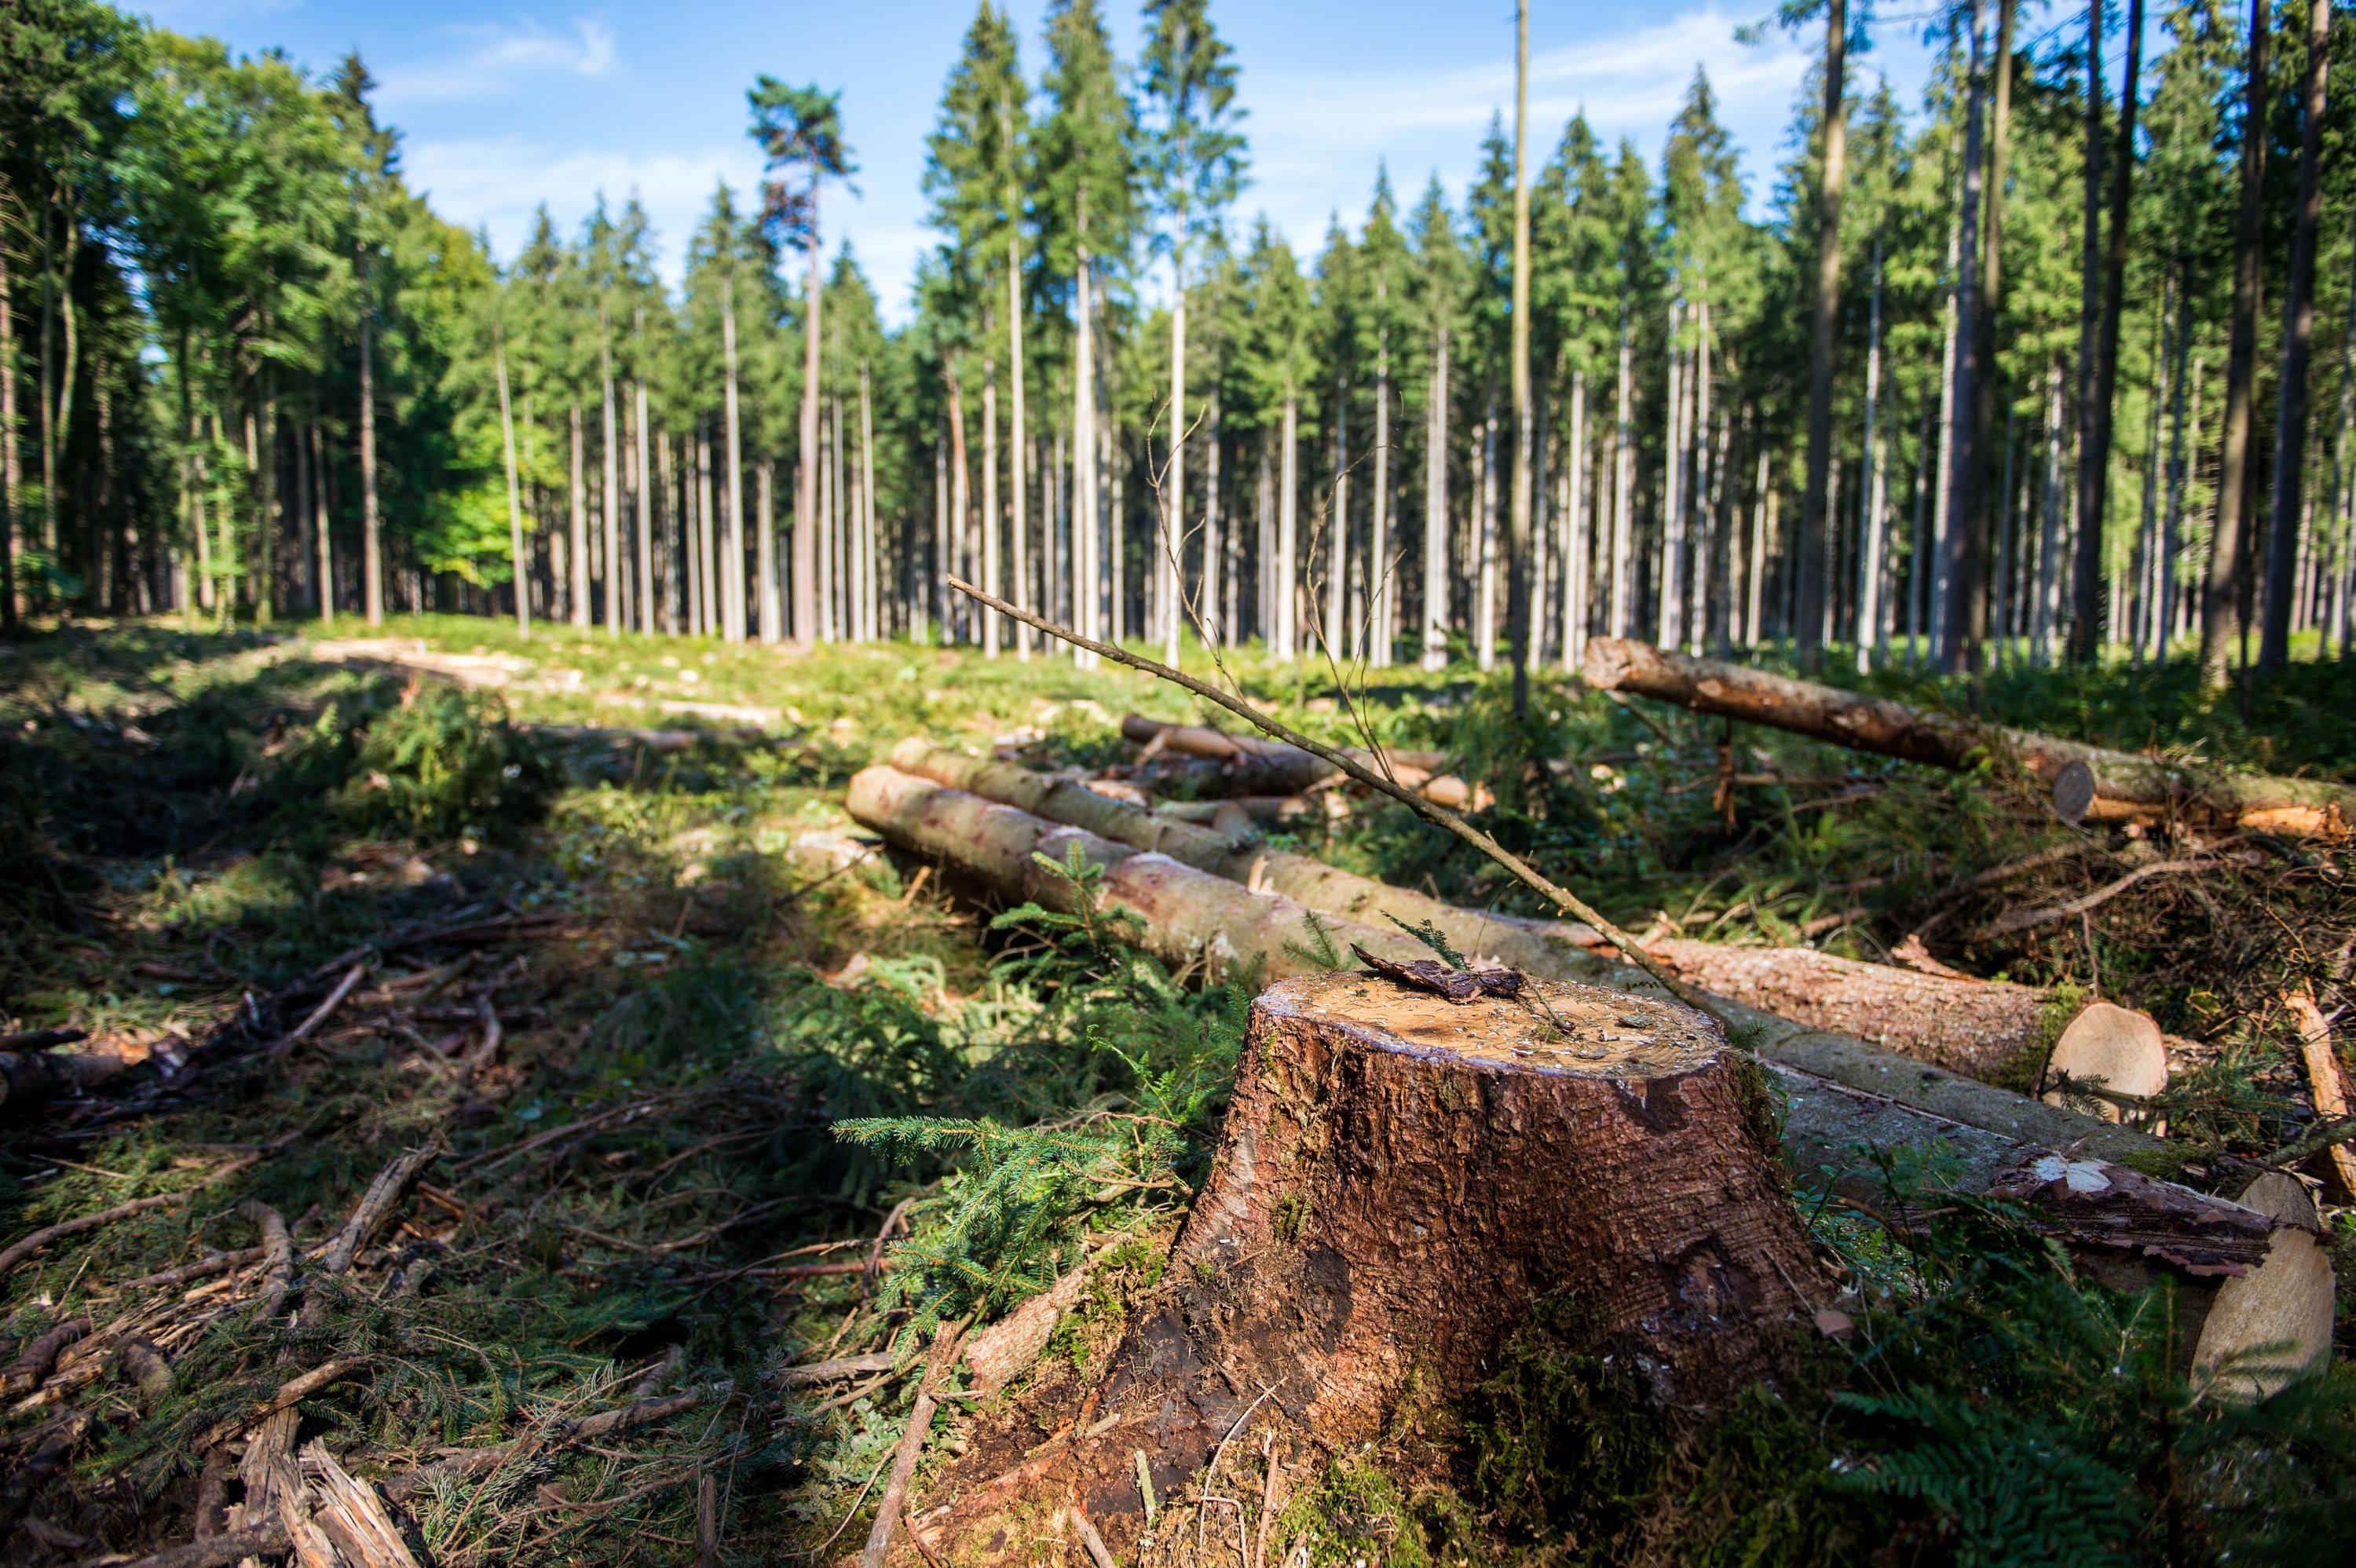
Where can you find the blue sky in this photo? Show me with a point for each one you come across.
(504, 106)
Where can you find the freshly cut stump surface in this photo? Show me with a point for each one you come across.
(1399, 1176)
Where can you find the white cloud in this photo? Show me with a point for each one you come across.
(495, 183)
(1316, 136)
(495, 61)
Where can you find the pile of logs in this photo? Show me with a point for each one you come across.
(1871, 1060)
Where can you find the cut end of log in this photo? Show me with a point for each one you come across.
(2073, 792)
(2115, 1048)
(2267, 1327)
(1608, 662)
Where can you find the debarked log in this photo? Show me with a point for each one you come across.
(2087, 781)
(1399, 1178)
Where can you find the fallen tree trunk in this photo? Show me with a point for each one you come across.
(1885, 1102)
(1969, 1026)
(29, 1077)
(1254, 765)
(1333, 1254)
(2088, 780)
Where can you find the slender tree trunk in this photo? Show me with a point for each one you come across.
(577, 599)
(1624, 482)
(1577, 552)
(1934, 572)
(707, 538)
(2284, 531)
(323, 527)
(1019, 445)
(610, 496)
(960, 479)
(805, 469)
(2096, 422)
(1214, 547)
(1380, 601)
(2221, 598)
(874, 558)
(2337, 513)
(1991, 272)
(1815, 514)
(1484, 628)
(1435, 510)
(2164, 624)
(732, 561)
(645, 499)
(1173, 544)
(515, 497)
(371, 533)
(1963, 551)
(12, 481)
(1868, 580)
(1337, 630)
(990, 630)
(1287, 522)
(1088, 575)
(1518, 534)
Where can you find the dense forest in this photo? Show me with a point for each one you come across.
(2055, 360)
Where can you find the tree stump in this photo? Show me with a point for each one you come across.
(1399, 1178)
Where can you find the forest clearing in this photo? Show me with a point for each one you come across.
(1650, 864)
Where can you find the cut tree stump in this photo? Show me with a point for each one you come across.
(1399, 1178)
(2088, 781)
(2259, 1330)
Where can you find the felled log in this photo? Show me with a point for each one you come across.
(1397, 1178)
(1884, 1102)
(2247, 1274)
(28, 1078)
(1251, 764)
(1968, 1027)
(2088, 780)
(1321, 887)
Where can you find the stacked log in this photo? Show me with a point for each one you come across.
(1849, 1100)
(2088, 781)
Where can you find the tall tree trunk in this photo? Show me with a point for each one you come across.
(2095, 424)
(1814, 515)
(1087, 575)
(2049, 548)
(1667, 597)
(1018, 447)
(1484, 486)
(1336, 628)
(990, 630)
(371, 533)
(806, 474)
(1288, 485)
(1435, 510)
(515, 497)
(1207, 602)
(1517, 532)
(1961, 550)
(11, 479)
(867, 505)
(323, 527)
(578, 598)
(732, 561)
(645, 499)
(960, 479)
(2298, 336)
(1868, 577)
(707, 537)
(1380, 603)
(1624, 482)
(611, 497)
(2220, 595)
(1577, 552)
(1173, 544)
(1932, 575)
(1992, 191)
(2343, 537)
(2164, 621)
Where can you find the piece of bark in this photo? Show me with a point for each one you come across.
(2123, 785)
(33, 1364)
(277, 1254)
(2325, 1083)
(996, 1356)
(376, 1206)
(351, 1514)
(1397, 1178)
(144, 1367)
(2110, 1048)
(1459, 985)
(216, 1550)
(840, 1369)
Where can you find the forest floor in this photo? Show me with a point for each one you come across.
(701, 1064)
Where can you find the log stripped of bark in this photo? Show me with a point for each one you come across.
(2100, 783)
(1254, 765)
(1397, 1178)
(2326, 1085)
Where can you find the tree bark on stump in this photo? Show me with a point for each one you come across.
(1397, 1179)
(2087, 781)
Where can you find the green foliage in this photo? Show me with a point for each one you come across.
(443, 763)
